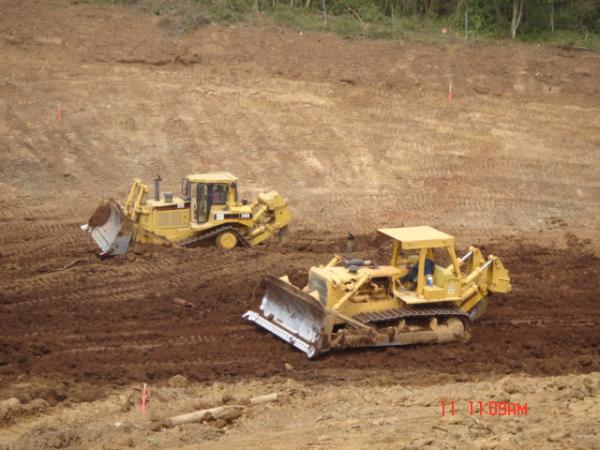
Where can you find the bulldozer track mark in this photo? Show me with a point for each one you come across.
(190, 365)
(15, 232)
(69, 337)
(106, 290)
(90, 345)
(115, 296)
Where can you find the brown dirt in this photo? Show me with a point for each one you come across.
(562, 412)
(114, 321)
(357, 134)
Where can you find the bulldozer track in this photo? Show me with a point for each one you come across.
(416, 312)
(204, 237)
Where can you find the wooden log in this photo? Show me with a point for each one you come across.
(220, 412)
(225, 412)
(196, 416)
(264, 399)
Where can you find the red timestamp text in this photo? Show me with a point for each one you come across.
(481, 408)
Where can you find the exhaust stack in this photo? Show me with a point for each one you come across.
(157, 181)
(349, 245)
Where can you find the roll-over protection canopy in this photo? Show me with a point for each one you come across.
(419, 237)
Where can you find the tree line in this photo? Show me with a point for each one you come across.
(500, 17)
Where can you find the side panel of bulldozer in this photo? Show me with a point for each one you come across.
(161, 224)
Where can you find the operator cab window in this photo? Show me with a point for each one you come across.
(218, 194)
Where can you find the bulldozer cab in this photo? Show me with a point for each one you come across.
(207, 190)
(422, 241)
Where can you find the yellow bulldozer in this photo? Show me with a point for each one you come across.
(208, 209)
(356, 303)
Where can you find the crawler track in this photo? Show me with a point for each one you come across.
(406, 313)
(195, 241)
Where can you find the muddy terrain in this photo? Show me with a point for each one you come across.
(114, 321)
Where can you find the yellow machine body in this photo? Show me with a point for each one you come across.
(380, 288)
(207, 208)
(353, 302)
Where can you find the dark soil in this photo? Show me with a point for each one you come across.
(113, 321)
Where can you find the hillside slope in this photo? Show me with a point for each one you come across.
(356, 134)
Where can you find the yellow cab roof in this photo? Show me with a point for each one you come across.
(419, 237)
(211, 177)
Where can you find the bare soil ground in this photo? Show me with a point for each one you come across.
(114, 321)
(561, 412)
(358, 135)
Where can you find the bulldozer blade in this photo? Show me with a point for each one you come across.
(109, 227)
(292, 315)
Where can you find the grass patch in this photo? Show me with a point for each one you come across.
(352, 24)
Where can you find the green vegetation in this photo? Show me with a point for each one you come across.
(563, 22)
